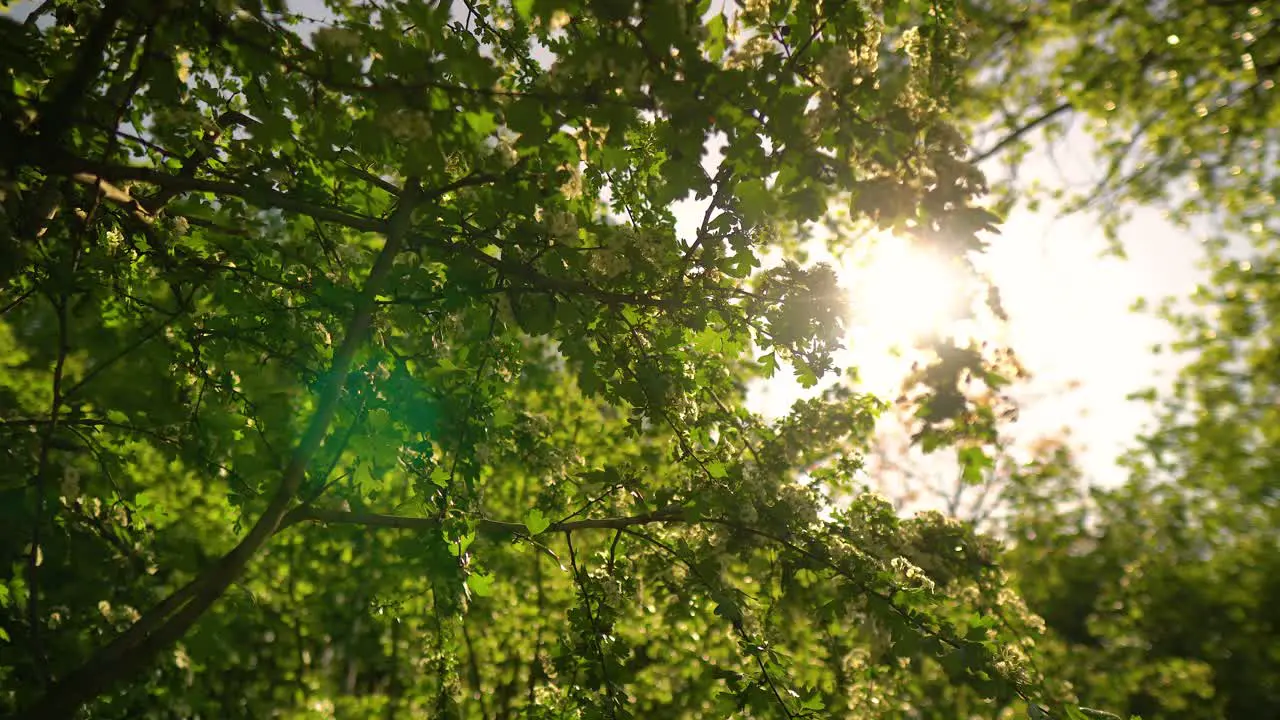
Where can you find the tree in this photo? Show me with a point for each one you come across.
(1162, 589)
(1157, 594)
(1177, 96)
(355, 365)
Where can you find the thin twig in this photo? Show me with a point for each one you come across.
(34, 555)
(1021, 132)
(595, 628)
(474, 670)
(18, 300)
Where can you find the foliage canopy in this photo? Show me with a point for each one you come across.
(356, 365)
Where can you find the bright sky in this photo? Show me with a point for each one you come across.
(1068, 306)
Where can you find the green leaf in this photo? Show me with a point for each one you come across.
(481, 584)
(364, 479)
(753, 198)
(440, 476)
(459, 546)
(716, 37)
(482, 122)
(769, 363)
(974, 463)
(806, 377)
(536, 522)
(535, 312)
(524, 9)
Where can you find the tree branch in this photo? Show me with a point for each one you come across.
(596, 631)
(41, 482)
(473, 670)
(104, 175)
(133, 649)
(92, 171)
(546, 283)
(1021, 132)
(497, 529)
(57, 115)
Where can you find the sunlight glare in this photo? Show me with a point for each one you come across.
(902, 294)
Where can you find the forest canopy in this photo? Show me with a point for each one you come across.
(355, 363)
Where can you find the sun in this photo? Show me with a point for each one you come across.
(899, 297)
(902, 293)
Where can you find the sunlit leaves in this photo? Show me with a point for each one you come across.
(1175, 103)
(546, 348)
(536, 522)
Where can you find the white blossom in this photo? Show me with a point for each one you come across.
(562, 225)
